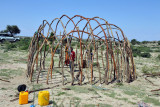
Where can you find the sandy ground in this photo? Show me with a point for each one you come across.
(112, 95)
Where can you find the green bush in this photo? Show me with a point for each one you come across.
(141, 51)
(158, 57)
(144, 49)
(145, 42)
(141, 48)
(9, 46)
(23, 44)
(135, 55)
(158, 42)
(136, 52)
(157, 50)
(146, 55)
(25, 47)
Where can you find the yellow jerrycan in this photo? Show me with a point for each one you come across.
(43, 98)
(23, 97)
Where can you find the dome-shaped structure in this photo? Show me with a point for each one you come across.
(102, 50)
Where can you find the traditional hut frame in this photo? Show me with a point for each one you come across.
(110, 47)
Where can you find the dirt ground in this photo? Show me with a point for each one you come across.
(13, 68)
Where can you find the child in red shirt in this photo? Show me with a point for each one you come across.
(72, 56)
(72, 59)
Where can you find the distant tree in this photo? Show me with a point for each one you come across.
(154, 42)
(145, 42)
(13, 29)
(138, 42)
(134, 41)
(3, 31)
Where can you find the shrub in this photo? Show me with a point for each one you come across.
(146, 55)
(137, 51)
(9, 46)
(157, 50)
(158, 42)
(145, 42)
(135, 55)
(144, 49)
(25, 47)
(24, 43)
(158, 57)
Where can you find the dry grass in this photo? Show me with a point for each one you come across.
(116, 94)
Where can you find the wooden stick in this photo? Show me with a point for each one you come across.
(37, 55)
(40, 66)
(32, 64)
(44, 56)
(98, 66)
(102, 58)
(48, 75)
(118, 65)
(81, 57)
(106, 71)
(91, 64)
(62, 65)
(76, 54)
(155, 90)
(4, 80)
(150, 81)
(128, 70)
(72, 71)
(59, 60)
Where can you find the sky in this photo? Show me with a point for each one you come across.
(139, 19)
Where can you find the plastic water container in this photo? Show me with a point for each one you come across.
(23, 97)
(43, 98)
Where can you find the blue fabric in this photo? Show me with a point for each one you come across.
(32, 106)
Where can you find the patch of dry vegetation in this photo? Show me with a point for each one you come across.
(116, 94)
